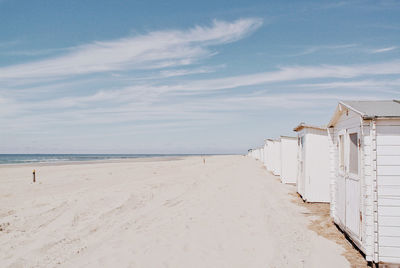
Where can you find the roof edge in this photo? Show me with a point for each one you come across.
(288, 137)
(351, 108)
(304, 125)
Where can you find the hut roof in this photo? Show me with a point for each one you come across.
(368, 109)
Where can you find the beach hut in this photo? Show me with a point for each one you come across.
(364, 139)
(265, 151)
(276, 157)
(257, 154)
(254, 153)
(269, 154)
(262, 154)
(313, 163)
(288, 159)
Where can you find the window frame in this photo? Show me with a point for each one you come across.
(353, 175)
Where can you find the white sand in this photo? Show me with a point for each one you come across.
(227, 213)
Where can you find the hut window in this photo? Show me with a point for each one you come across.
(341, 152)
(353, 161)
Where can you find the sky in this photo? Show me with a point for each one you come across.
(85, 76)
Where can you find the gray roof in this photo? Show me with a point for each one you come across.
(371, 109)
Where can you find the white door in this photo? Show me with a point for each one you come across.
(353, 185)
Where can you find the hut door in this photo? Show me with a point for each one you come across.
(353, 185)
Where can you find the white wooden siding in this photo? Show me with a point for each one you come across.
(265, 152)
(270, 156)
(388, 177)
(276, 166)
(288, 160)
(385, 150)
(332, 173)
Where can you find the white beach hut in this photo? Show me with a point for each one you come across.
(254, 153)
(257, 154)
(364, 139)
(276, 157)
(313, 163)
(288, 159)
(265, 152)
(270, 147)
(262, 154)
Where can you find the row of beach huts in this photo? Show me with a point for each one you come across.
(353, 163)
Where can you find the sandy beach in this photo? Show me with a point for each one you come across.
(228, 212)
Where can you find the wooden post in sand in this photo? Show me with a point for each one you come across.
(34, 175)
(204, 160)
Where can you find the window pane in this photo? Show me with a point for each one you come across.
(353, 161)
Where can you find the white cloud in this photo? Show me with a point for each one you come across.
(153, 50)
(38, 52)
(182, 72)
(156, 102)
(313, 49)
(381, 50)
(149, 92)
(384, 85)
(290, 74)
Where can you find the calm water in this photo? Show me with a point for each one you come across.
(34, 158)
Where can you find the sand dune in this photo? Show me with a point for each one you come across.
(228, 212)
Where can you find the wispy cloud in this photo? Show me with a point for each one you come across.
(321, 48)
(381, 50)
(182, 72)
(150, 51)
(147, 94)
(344, 48)
(372, 85)
(292, 74)
(39, 52)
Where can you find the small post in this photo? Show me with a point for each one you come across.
(34, 176)
(204, 160)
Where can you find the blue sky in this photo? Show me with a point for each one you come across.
(185, 76)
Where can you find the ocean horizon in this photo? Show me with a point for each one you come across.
(52, 158)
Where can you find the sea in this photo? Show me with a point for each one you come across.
(51, 158)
